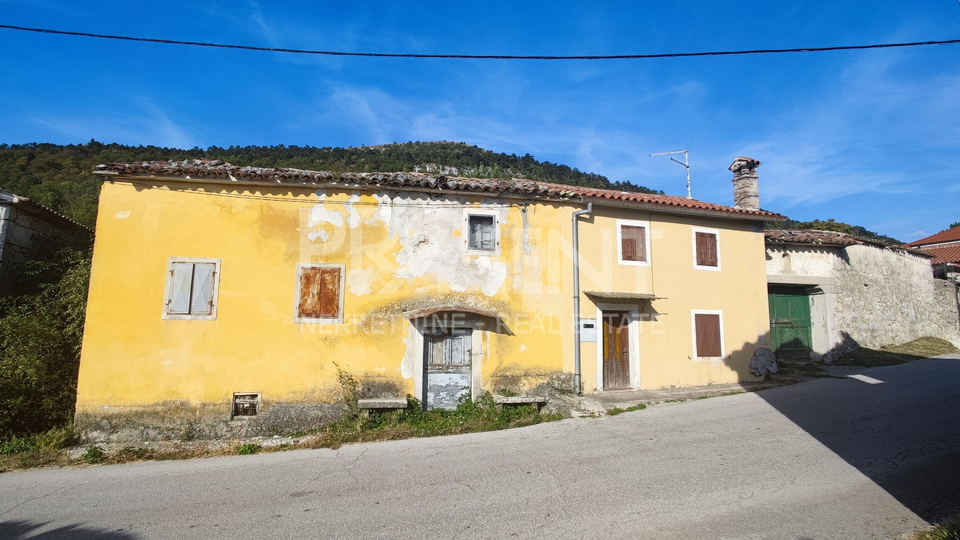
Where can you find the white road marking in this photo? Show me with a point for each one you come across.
(864, 378)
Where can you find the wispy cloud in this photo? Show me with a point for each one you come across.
(149, 125)
(860, 136)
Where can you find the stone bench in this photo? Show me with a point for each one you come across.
(519, 401)
(380, 405)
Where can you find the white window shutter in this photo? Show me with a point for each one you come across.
(486, 235)
(180, 285)
(475, 235)
(201, 302)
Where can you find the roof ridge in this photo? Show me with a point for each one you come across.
(947, 235)
(196, 169)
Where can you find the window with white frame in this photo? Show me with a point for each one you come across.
(482, 231)
(707, 334)
(191, 289)
(706, 248)
(319, 293)
(633, 242)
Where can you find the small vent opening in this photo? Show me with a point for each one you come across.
(246, 404)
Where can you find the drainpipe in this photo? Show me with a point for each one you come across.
(577, 386)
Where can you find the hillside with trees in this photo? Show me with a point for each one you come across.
(59, 176)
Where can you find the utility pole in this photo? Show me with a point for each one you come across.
(685, 163)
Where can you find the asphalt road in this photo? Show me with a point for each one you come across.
(830, 458)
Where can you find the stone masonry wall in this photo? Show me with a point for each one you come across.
(26, 236)
(887, 297)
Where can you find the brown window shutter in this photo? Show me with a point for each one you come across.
(706, 249)
(319, 293)
(310, 292)
(708, 334)
(330, 293)
(633, 243)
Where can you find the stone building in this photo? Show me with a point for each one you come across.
(831, 292)
(945, 249)
(30, 232)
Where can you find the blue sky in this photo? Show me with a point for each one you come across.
(867, 137)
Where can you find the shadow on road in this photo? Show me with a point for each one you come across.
(21, 530)
(902, 431)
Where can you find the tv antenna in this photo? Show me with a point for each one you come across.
(685, 163)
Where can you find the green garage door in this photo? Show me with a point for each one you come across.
(790, 323)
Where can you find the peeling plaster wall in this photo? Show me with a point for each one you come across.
(401, 252)
(430, 230)
(801, 261)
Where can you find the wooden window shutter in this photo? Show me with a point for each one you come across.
(708, 335)
(633, 243)
(201, 299)
(330, 293)
(180, 284)
(319, 293)
(706, 249)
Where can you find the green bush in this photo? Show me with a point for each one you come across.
(94, 454)
(40, 334)
(53, 439)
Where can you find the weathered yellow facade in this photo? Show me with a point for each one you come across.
(402, 253)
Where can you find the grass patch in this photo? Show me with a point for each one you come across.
(617, 410)
(946, 531)
(249, 449)
(41, 449)
(925, 347)
(469, 417)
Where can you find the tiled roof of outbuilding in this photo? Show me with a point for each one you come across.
(807, 236)
(218, 170)
(827, 238)
(944, 254)
(7, 197)
(949, 235)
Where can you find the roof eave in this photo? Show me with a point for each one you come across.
(668, 209)
(599, 201)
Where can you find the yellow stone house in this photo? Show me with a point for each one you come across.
(227, 300)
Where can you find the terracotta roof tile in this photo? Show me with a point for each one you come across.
(218, 170)
(949, 235)
(827, 238)
(943, 254)
(808, 236)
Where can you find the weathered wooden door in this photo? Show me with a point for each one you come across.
(447, 367)
(790, 334)
(616, 350)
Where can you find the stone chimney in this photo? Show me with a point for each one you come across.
(746, 190)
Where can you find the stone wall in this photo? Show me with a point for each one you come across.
(890, 296)
(946, 310)
(28, 233)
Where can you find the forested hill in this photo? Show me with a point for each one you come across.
(59, 176)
